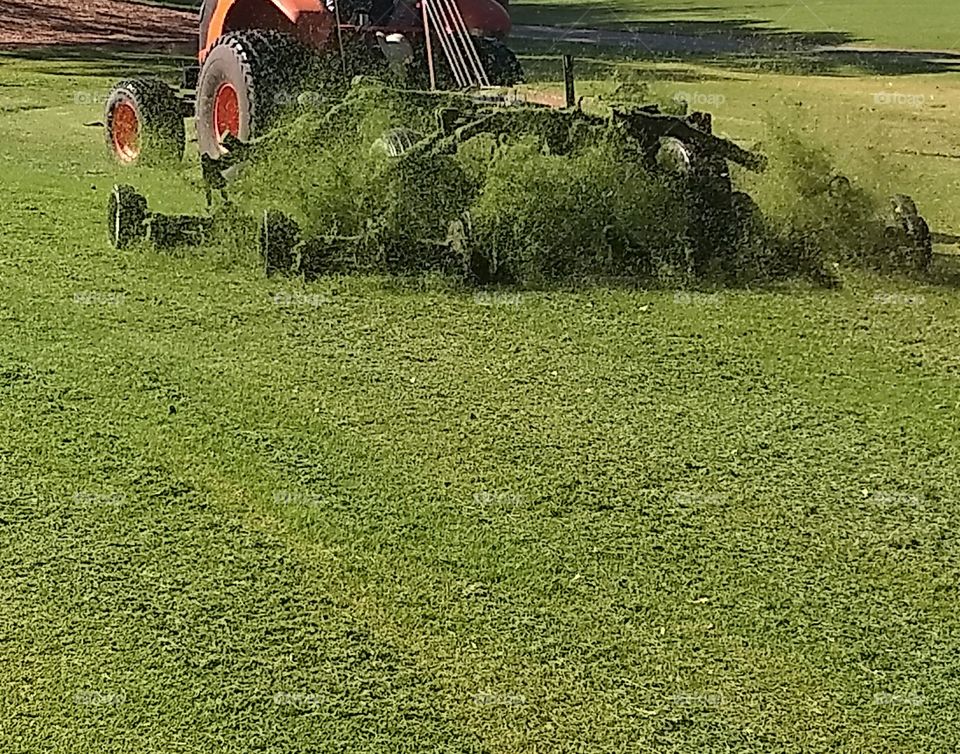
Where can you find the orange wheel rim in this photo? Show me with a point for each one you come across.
(125, 127)
(226, 111)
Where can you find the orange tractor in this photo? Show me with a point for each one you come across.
(255, 57)
(259, 58)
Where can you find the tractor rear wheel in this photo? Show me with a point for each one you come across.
(144, 122)
(247, 80)
(499, 62)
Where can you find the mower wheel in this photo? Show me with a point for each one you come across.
(396, 141)
(676, 157)
(706, 176)
(126, 216)
(144, 122)
(277, 238)
(911, 234)
(247, 80)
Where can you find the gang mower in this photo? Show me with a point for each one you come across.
(260, 60)
(424, 216)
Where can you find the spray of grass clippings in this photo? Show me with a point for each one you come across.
(542, 217)
(533, 216)
(817, 219)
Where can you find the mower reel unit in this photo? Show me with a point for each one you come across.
(129, 222)
(258, 59)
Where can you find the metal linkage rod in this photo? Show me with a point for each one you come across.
(467, 43)
(456, 63)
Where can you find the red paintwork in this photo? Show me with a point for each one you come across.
(308, 19)
(315, 25)
(485, 18)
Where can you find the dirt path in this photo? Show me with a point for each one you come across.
(652, 42)
(82, 22)
(655, 42)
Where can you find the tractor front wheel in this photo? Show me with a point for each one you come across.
(144, 122)
(246, 81)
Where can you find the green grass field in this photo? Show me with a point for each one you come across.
(242, 514)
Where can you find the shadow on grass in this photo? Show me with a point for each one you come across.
(944, 274)
(542, 63)
(101, 61)
(604, 31)
(720, 34)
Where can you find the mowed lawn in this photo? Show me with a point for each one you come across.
(925, 25)
(240, 514)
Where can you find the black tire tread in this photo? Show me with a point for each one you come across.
(161, 116)
(916, 230)
(270, 60)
